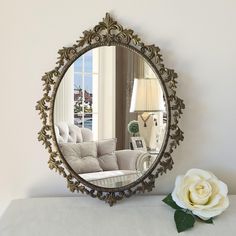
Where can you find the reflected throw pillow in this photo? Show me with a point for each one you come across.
(106, 154)
(82, 157)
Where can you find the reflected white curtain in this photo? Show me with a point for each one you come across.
(107, 93)
(64, 103)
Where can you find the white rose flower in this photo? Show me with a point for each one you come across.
(202, 193)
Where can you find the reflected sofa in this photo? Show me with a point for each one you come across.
(98, 161)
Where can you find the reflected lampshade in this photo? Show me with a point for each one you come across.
(147, 96)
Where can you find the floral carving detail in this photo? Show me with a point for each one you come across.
(109, 32)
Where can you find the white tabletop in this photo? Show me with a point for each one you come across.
(84, 216)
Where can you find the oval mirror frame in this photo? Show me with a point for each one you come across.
(108, 32)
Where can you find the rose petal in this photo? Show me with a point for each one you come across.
(184, 195)
(175, 194)
(223, 188)
(209, 213)
(215, 186)
(191, 179)
(211, 204)
(219, 186)
(214, 201)
(201, 173)
(200, 192)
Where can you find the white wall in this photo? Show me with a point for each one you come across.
(197, 38)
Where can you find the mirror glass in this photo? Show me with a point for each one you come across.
(110, 116)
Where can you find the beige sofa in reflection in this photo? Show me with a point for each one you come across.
(98, 161)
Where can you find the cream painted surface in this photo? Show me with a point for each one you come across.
(197, 39)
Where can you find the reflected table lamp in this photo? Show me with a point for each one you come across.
(147, 100)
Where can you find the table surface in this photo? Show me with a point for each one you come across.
(140, 216)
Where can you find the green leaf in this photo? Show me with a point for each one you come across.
(183, 220)
(209, 221)
(169, 201)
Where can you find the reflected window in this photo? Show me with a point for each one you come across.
(86, 91)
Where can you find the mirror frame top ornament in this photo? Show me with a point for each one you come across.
(106, 33)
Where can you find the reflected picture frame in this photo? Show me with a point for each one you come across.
(138, 143)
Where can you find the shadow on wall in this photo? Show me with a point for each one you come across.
(51, 187)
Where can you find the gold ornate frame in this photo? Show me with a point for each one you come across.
(109, 32)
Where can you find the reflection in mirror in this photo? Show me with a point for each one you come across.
(110, 116)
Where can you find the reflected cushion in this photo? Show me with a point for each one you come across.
(68, 133)
(82, 157)
(106, 154)
(106, 146)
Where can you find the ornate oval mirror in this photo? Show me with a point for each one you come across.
(111, 109)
